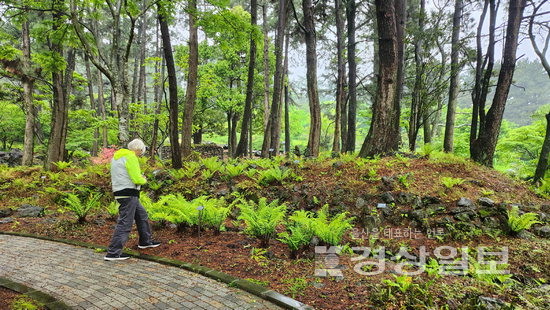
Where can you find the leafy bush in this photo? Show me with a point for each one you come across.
(212, 164)
(275, 174)
(61, 165)
(403, 282)
(517, 222)
(449, 182)
(25, 303)
(331, 231)
(262, 218)
(214, 213)
(426, 150)
(80, 208)
(178, 210)
(234, 170)
(544, 188)
(491, 272)
(112, 209)
(296, 238)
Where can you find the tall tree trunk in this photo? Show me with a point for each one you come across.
(417, 102)
(28, 83)
(311, 76)
(93, 104)
(102, 109)
(157, 92)
(542, 165)
(401, 19)
(247, 113)
(62, 82)
(484, 71)
(286, 98)
(341, 76)
(266, 65)
(484, 146)
(352, 79)
(172, 89)
(270, 144)
(192, 80)
(448, 141)
(382, 138)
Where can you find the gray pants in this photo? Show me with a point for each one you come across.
(130, 209)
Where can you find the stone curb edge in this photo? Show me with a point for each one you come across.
(250, 287)
(48, 301)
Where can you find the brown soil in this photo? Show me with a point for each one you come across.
(7, 296)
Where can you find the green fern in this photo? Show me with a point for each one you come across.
(61, 165)
(450, 182)
(331, 231)
(517, 222)
(81, 208)
(234, 170)
(212, 164)
(112, 208)
(262, 218)
(275, 174)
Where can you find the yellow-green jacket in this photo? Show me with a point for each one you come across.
(126, 177)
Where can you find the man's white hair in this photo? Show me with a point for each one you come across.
(137, 145)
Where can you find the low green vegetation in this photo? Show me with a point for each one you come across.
(518, 223)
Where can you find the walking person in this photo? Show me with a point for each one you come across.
(126, 179)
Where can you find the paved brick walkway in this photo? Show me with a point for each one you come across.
(83, 280)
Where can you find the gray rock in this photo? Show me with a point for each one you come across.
(5, 212)
(371, 221)
(463, 217)
(314, 241)
(465, 202)
(491, 222)
(430, 200)
(458, 210)
(388, 183)
(435, 209)
(387, 197)
(6, 220)
(524, 234)
(542, 231)
(545, 208)
(486, 202)
(360, 203)
(27, 210)
(489, 303)
(419, 216)
(406, 198)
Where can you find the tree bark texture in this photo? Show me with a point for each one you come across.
(270, 144)
(401, 19)
(192, 81)
(382, 137)
(448, 140)
(484, 71)
(341, 76)
(266, 66)
(352, 79)
(28, 84)
(93, 104)
(311, 76)
(172, 90)
(417, 102)
(484, 146)
(247, 112)
(542, 165)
